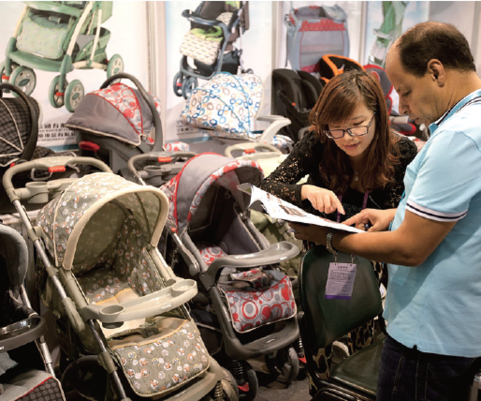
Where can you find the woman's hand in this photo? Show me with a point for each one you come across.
(377, 220)
(321, 199)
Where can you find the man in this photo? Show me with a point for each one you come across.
(433, 246)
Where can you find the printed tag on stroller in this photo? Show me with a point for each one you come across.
(340, 280)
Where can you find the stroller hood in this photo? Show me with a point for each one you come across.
(186, 189)
(117, 111)
(95, 206)
(226, 105)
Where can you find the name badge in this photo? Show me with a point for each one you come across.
(340, 280)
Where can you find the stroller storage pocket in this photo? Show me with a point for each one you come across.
(256, 298)
(158, 357)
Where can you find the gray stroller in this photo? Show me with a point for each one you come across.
(26, 369)
(123, 330)
(245, 307)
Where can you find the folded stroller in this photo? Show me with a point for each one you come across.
(208, 47)
(245, 306)
(121, 322)
(26, 369)
(117, 122)
(59, 37)
(313, 31)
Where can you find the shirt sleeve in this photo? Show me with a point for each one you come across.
(447, 178)
(282, 182)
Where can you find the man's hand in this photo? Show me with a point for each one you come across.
(377, 220)
(310, 232)
(322, 199)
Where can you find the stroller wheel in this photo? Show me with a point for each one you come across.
(56, 94)
(250, 378)
(2, 72)
(24, 78)
(178, 80)
(231, 391)
(188, 86)
(115, 65)
(74, 95)
(285, 365)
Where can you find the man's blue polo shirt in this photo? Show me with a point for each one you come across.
(437, 306)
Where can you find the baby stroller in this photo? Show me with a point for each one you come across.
(121, 322)
(18, 140)
(26, 369)
(117, 122)
(59, 36)
(245, 306)
(313, 31)
(226, 108)
(208, 47)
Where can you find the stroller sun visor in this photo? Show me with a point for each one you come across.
(117, 111)
(186, 189)
(99, 204)
(226, 105)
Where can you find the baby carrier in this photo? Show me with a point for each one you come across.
(60, 37)
(118, 122)
(26, 369)
(18, 140)
(208, 47)
(313, 31)
(121, 322)
(245, 306)
(226, 108)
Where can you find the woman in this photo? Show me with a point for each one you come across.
(353, 161)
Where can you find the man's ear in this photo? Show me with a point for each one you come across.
(436, 71)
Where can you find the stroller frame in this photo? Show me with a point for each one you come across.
(82, 316)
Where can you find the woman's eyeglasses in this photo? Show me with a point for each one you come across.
(353, 131)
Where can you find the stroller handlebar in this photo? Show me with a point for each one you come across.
(275, 253)
(194, 17)
(157, 302)
(159, 157)
(52, 164)
(249, 150)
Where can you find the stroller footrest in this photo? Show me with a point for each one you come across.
(150, 305)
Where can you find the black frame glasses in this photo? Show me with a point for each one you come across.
(349, 130)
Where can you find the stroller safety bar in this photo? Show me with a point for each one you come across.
(17, 334)
(47, 163)
(275, 253)
(158, 302)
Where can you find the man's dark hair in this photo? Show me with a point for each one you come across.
(434, 40)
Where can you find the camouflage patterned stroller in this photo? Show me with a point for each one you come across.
(119, 307)
(245, 305)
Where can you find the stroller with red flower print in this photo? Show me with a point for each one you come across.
(245, 307)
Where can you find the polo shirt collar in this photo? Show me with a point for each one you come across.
(473, 97)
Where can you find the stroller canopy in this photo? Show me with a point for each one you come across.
(117, 111)
(82, 223)
(226, 105)
(186, 190)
